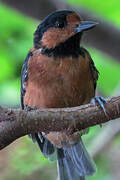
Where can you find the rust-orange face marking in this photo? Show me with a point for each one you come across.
(54, 36)
(73, 18)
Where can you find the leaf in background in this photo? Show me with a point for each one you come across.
(10, 93)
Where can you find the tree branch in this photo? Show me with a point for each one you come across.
(16, 123)
(106, 135)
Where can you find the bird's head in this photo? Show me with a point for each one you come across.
(60, 27)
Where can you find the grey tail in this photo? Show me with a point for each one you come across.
(45, 146)
(74, 163)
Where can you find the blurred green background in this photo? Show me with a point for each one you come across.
(22, 159)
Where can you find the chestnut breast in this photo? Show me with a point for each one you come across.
(63, 82)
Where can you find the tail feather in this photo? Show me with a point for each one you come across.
(66, 169)
(81, 159)
(45, 146)
(74, 163)
(48, 148)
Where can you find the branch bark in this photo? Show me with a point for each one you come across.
(15, 123)
(106, 135)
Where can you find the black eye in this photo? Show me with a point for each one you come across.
(59, 24)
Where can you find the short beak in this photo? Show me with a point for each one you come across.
(85, 25)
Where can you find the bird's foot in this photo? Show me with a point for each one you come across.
(101, 101)
(29, 108)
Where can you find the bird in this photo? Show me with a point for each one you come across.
(59, 73)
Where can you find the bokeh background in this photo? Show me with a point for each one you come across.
(22, 159)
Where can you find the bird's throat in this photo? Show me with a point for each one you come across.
(70, 47)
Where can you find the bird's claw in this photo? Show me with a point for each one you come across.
(29, 108)
(100, 100)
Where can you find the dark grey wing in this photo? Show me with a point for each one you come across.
(24, 77)
(95, 72)
(45, 146)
